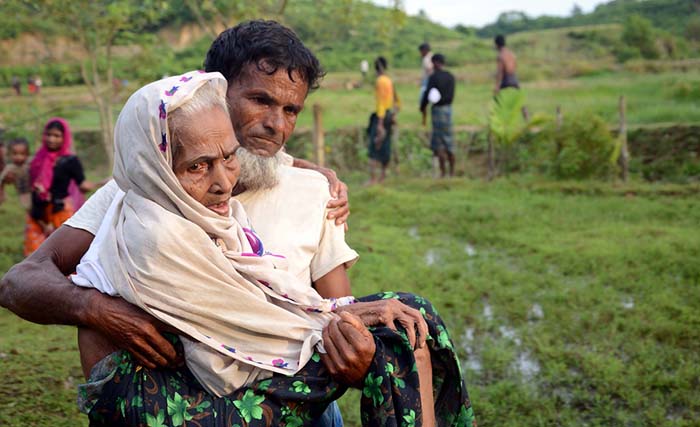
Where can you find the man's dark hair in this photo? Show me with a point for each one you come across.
(500, 40)
(380, 63)
(438, 58)
(267, 44)
(424, 46)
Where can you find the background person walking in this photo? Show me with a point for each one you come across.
(440, 93)
(506, 65)
(381, 122)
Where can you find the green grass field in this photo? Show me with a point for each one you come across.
(571, 303)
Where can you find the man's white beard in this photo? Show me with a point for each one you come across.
(258, 172)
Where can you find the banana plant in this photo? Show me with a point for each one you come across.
(507, 123)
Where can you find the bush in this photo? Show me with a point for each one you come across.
(686, 91)
(638, 32)
(581, 148)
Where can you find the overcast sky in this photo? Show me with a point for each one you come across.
(478, 13)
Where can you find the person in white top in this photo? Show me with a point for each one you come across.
(426, 67)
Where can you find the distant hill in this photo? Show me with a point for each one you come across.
(670, 15)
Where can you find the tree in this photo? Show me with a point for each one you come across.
(97, 26)
(213, 16)
(692, 29)
(638, 33)
(576, 11)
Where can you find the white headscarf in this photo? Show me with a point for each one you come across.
(245, 314)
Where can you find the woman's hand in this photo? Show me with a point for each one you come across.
(388, 313)
(349, 349)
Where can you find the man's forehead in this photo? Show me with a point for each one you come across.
(262, 72)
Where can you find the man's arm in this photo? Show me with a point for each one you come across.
(338, 189)
(37, 290)
(334, 284)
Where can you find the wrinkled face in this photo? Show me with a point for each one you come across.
(206, 164)
(264, 108)
(54, 139)
(19, 154)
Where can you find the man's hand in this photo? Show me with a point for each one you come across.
(340, 205)
(350, 348)
(387, 313)
(381, 134)
(424, 120)
(132, 329)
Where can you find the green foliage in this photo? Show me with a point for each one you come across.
(638, 33)
(52, 73)
(671, 14)
(692, 28)
(666, 154)
(506, 120)
(686, 90)
(343, 33)
(581, 148)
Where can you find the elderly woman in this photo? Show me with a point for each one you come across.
(179, 247)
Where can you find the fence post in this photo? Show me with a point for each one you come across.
(560, 118)
(624, 152)
(317, 137)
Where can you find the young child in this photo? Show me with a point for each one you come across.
(17, 172)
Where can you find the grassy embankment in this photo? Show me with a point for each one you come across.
(570, 304)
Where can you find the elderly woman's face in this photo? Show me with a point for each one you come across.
(205, 163)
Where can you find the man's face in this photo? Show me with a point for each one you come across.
(264, 108)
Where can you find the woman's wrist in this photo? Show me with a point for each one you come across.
(342, 302)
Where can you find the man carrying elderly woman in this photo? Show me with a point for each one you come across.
(255, 95)
(179, 247)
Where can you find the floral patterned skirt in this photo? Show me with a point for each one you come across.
(137, 396)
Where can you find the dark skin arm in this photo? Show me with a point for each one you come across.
(334, 284)
(37, 290)
(339, 205)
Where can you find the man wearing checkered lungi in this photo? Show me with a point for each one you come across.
(439, 93)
